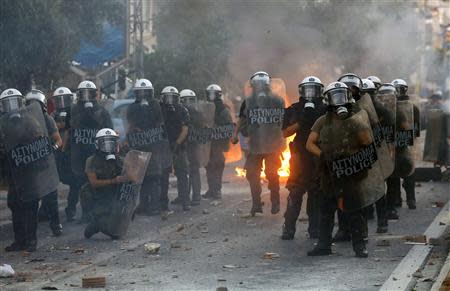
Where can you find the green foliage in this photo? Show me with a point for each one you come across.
(193, 46)
(39, 37)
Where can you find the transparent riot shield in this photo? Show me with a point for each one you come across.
(85, 123)
(264, 112)
(386, 160)
(127, 198)
(350, 153)
(436, 147)
(29, 150)
(200, 132)
(146, 132)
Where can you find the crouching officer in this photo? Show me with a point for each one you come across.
(298, 120)
(103, 170)
(343, 141)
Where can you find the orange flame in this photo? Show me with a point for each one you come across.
(283, 171)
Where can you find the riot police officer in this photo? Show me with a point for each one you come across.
(222, 133)
(49, 204)
(176, 119)
(146, 133)
(375, 80)
(298, 120)
(261, 118)
(408, 128)
(337, 139)
(387, 120)
(86, 119)
(31, 170)
(103, 170)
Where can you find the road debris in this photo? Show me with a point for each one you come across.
(383, 243)
(270, 256)
(180, 227)
(205, 211)
(93, 282)
(49, 288)
(152, 248)
(215, 203)
(6, 271)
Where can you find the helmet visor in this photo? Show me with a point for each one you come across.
(62, 101)
(310, 91)
(11, 103)
(143, 94)
(86, 95)
(211, 95)
(188, 100)
(338, 97)
(260, 81)
(170, 99)
(107, 144)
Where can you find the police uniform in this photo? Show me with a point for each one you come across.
(175, 117)
(99, 200)
(303, 169)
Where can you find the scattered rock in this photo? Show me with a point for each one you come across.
(394, 278)
(49, 288)
(270, 256)
(377, 259)
(225, 239)
(426, 280)
(211, 241)
(175, 245)
(215, 203)
(180, 227)
(417, 274)
(205, 211)
(221, 280)
(78, 251)
(152, 248)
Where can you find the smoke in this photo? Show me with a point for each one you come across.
(292, 40)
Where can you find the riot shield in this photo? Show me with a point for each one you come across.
(30, 158)
(200, 132)
(127, 198)
(85, 123)
(351, 158)
(223, 129)
(388, 103)
(404, 135)
(146, 132)
(265, 112)
(436, 147)
(387, 163)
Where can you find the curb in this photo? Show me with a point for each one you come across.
(401, 278)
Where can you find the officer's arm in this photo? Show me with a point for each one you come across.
(98, 183)
(312, 144)
(290, 130)
(57, 139)
(183, 134)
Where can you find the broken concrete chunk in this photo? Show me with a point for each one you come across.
(152, 248)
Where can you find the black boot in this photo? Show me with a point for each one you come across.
(382, 226)
(361, 251)
(90, 230)
(56, 229)
(411, 204)
(256, 208)
(31, 246)
(15, 247)
(392, 214)
(288, 233)
(318, 251)
(293, 207)
(275, 207)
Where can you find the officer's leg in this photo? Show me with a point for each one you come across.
(30, 210)
(17, 222)
(343, 233)
(210, 174)
(154, 188)
(272, 164)
(370, 212)
(382, 222)
(253, 166)
(195, 183)
(313, 210)
(43, 212)
(392, 191)
(218, 166)
(328, 206)
(165, 189)
(73, 197)
(293, 207)
(144, 197)
(409, 184)
(358, 226)
(51, 200)
(181, 172)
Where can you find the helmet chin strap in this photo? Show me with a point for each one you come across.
(88, 105)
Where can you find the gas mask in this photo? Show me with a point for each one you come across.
(338, 99)
(108, 146)
(87, 96)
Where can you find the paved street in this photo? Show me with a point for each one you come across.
(215, 245)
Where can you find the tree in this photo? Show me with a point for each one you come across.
(192, 46)
(39, 37)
